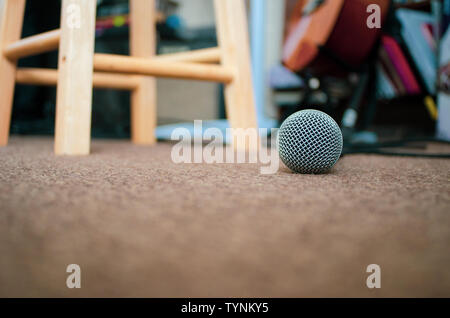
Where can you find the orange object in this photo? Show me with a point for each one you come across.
(339, 26)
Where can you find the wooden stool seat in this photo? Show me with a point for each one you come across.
(80, 69)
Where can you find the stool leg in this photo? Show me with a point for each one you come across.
(75, 71)
(11, 20)
(143, 99)
(231, 24)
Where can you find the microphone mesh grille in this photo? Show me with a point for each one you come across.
(309, 141)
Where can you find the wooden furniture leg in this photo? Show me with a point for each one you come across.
(143, 99)
(232, 34)
(75, 71)
(11, 20)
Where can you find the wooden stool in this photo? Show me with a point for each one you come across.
(79, 69)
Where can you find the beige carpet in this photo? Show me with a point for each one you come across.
(139, 225)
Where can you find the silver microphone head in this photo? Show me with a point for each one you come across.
(309, 141)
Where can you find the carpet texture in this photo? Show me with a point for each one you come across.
(142, 226)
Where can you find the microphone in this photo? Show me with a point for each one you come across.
(309, 141)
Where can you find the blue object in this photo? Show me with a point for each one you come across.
(283, 79)
(258, 43)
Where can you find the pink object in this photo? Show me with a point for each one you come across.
(401, 65)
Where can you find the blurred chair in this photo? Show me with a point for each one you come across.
(77, 62)
(333, 38)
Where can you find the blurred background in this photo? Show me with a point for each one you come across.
(381, 72)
